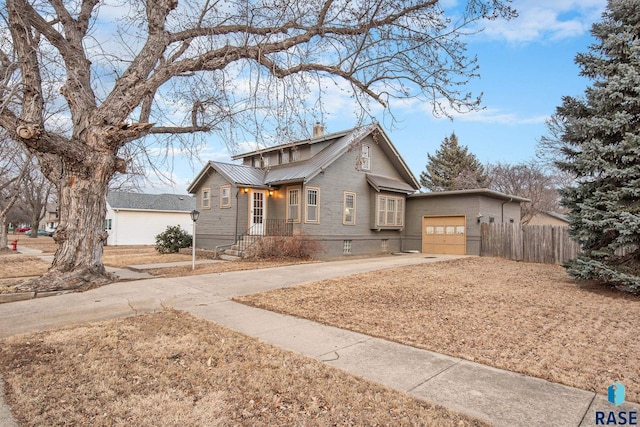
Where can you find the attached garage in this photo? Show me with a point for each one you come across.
(444, 235)
(448, 222)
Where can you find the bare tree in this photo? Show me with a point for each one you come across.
(35, 192)
(530, 180)
(200, 66)
(12, 172)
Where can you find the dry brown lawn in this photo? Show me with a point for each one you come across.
(125, 256)
(170, 368)
(43, 243)
(527, 318)
(220, 267)
(15, 268)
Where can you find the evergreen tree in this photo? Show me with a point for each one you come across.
(453, 168)
(600, 146)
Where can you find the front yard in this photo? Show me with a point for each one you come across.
(172, 369)
(527, 318)
(15, 268)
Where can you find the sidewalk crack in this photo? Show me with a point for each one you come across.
(132, 307)
(434, 375)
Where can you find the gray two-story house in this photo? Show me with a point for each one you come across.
(348, 190)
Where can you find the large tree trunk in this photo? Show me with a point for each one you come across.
(4, 240)
(80, 235)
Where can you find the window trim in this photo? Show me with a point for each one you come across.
(344, 210)
(203, 199)
(398, 212)
(307, 205)
(222, 204)
(299, 205)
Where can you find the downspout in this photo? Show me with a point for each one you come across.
(502, 207)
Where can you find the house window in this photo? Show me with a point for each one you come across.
(107, 224)
(390, 211)
(265, 161)
(384, 245)
(225, 196)
(349, 216)
(365, 155)
(293, 205)
(346, 247)
(206, 198)
(313, 200)
(294, 154)
(283, 157)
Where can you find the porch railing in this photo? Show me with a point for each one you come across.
(270, 227)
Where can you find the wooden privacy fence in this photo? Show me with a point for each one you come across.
(547, 244)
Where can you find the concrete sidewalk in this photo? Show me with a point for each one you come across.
(500, 397)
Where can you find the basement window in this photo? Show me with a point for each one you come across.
(346, 247)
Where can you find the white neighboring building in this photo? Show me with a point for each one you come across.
(136, 219)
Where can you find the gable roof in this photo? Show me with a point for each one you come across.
(305, 170)
(151, 202)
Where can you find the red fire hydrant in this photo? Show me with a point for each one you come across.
(14, 245)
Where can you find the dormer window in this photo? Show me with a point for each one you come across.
(294, 154)
(365, 157)
(283, 156)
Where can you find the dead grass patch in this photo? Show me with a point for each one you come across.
(171, 368)
(42, 243)
(15, 268)
(527, 318)
(124, 256)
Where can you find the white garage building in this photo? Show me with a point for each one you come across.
(136, 218)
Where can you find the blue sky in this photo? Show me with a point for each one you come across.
(526, 66)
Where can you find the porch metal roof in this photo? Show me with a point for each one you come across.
(383, 183)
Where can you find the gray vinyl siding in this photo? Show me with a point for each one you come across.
(216, 225)
(456, 205)
(344, 176)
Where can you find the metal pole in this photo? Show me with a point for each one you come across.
(193, 247)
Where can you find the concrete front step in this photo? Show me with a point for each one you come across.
(227, 257)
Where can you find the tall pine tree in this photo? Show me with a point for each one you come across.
(600, 143)
(453, 168)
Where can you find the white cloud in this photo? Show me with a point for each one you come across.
(486, 115)
(546, 20)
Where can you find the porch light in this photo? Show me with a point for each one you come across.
(246, 190)
(194, 215)
(270, 192)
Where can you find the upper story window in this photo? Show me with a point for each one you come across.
(283, 156)
(390, 211)
(365, 157)
(225, 196)
(294, 154)
(205, 201)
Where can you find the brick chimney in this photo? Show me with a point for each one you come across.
(318, 130)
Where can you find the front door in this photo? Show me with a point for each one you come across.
(257, 209)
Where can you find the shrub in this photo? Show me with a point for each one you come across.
(298, 246)
(172, 240)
